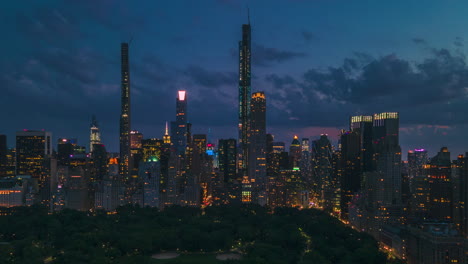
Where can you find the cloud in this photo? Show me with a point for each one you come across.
(431, 92)
(459, 42)
(265, 56)
(210, 79)
(308, 36)
(419, 41)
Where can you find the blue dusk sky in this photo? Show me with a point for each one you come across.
(318, 61)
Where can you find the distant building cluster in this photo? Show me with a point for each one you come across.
(417, 209)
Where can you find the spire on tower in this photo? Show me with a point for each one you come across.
(166, 137)
(248, 15)
(94, 121)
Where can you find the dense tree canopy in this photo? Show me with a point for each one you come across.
(132, 234)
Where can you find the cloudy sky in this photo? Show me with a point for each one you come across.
(318, 61)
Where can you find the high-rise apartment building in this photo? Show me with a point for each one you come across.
(362, 125)
(257, 154)
(350, 165)
(438, 172)
(244, 98)
(325, 185)
(125, 121)
(419, 185)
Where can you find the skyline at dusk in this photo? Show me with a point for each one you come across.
(318, 62)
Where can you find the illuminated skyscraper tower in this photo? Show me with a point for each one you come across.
(95, 134)
(179, 127)
(244, 98)
(125, 114)
(166, 137)
(257, 155)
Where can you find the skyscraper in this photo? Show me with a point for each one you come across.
(94, 134)
(438, 172)
(227, 150)
(295, 150)
(179, 128)
(350, 169)
(387, 154)
(257, 155)
(464, 195)
(31, 149)
(305, 164)
(244, 98)
(3, 155)
(419, 184)
(125, 123)
(362, 125)
(326, 187)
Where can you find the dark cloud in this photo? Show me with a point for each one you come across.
(115, 15)
(458, 42)
(433, 91)
(50, 26)
(265, 56)
(308, 36)
(210, 79)
(420, 41)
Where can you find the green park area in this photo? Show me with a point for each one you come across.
(132, 234)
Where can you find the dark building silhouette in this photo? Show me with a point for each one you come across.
(438, 172)
(125, 121)
(463, 207)
(100, 161)
(65, 150)
(363, 126)
(3, 156)
(227, 152)
(350, 169)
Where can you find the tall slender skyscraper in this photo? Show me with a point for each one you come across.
(125, 114)
(94, 134)
(244, 98)
(179, 128)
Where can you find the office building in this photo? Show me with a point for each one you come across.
(32, 147)
(94, 134)
(179, 127)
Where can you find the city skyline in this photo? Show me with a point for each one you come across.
(279, 133)
(213, 89)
